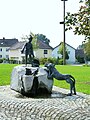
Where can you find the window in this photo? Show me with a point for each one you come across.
(68, 52)
(7, 56)
(0, 56)
(0, 49)
(7, 49)
(45, 52)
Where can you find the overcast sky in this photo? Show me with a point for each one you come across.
(19, 17)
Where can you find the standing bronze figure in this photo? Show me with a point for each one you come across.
(28, 50)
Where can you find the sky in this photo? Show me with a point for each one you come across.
(20, 17)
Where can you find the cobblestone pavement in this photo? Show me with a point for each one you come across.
(58, 106)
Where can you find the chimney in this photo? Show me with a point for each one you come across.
(3, 38)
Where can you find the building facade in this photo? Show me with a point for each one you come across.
(5, 45)
(43, 51)
(70, 51)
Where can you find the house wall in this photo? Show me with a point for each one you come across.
(5, 52)
(71, 53)
(39, 53)
(55, 53)
(15, 54)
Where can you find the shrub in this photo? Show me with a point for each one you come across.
(4, 60)
(1, 60)
(86, 65)
(60, 62)
(52, 60)
(43, 60)
(80, 59)
(56, 61)
(14, 62)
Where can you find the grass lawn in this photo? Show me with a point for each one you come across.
(81, 74)
(5, 73)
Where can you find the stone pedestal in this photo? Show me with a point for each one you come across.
(30, 84)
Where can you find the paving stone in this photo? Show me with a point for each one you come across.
(76, 107)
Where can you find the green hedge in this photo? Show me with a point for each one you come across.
(56, 61)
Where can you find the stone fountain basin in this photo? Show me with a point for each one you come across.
(27, 84)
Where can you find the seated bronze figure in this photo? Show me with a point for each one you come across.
(53, 73)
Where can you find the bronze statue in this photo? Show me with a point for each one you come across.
(28, 50)
(53, 73)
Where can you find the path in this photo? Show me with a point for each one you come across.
(58, 106)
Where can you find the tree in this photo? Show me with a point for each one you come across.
(61, 51)
(42, 38)
(34, 40)
(87, 50)
(80, 21)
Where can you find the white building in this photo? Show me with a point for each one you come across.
(5, 44)
(43, 51)
(15, 51)
(70, 50)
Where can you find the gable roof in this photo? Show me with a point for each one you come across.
(19, 45)
(66, 44)
(43, 45)
(7, 42)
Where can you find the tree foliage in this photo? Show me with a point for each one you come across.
(34, 40)
(42, 38)
(80, 21)
(61, 51)
(87, 50)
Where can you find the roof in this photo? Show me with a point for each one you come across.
(18, 45)
(7, 42)
(42, 45)
(66, 44)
